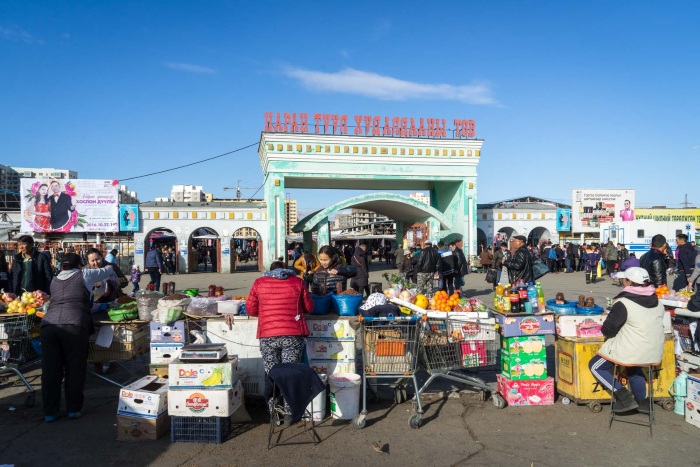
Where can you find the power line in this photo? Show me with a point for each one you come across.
(189, 165)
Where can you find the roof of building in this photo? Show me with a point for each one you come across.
(201, 204)
(525, 202)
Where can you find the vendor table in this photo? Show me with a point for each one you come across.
(127, 349)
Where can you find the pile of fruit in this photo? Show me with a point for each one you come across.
(27, 303)
(441, 301)
(662, 290)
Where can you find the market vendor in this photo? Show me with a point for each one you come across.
(331, 271)
(107, 290)
(65, 331)
(307, 264)
(279, 300)
(635, 338)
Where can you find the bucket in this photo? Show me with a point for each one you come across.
(345, 395)
(322, 304)
(346, 305)
(319, 402)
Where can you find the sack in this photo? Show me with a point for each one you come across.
(539, 269)
(172, 310)
(491, 276)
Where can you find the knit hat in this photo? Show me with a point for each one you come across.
(373, 300)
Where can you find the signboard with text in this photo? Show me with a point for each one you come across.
(50, 205)
(591, 207)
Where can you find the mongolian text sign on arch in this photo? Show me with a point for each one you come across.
(50, 205)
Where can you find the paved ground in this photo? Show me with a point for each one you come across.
(458, 429)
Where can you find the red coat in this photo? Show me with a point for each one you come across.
(276, 303)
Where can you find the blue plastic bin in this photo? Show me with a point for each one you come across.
(568, 308)
(347, 305)
(596, 310)
(322, 304)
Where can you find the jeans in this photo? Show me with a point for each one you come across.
(155, 277)
(136, 287)
(64, 358)
(568, 265)
(602, 371)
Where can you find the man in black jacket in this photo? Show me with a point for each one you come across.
(31, 270)
(462, 263)
(426, 264)
(520, 265)
(686, 262)
(654, 260)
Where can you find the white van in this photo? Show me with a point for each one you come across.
(636, 235)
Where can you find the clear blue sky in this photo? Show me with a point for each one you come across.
(566, 94)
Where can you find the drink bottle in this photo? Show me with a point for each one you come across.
(540, 297)
(532, 299)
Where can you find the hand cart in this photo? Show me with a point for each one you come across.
(16, 351)
(389, 351)
(451, 344)
(128, 345)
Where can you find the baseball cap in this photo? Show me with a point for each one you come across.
(636, 275)
(373, 300)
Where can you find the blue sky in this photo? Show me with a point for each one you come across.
(565, 94)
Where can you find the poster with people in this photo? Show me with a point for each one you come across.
(590, 208)
(563, 220)
(50, 205)
(129, 217)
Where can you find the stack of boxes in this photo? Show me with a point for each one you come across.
(166, 344)
(330, 346)
(692, 400)
(524, 378)
(142, 411)
(202, 396)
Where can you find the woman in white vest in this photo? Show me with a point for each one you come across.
(635, 338)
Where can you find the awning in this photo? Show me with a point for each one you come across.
(207, 237)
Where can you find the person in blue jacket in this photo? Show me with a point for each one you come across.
(154, 266)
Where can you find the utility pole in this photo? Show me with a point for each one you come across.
(238, 189)
(686, 203)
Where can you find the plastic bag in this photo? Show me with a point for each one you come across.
(203, 306)
(147, 301)
(172, 310)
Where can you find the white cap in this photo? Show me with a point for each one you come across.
(636, 275)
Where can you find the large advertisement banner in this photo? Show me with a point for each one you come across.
(50, 205)
(563, 220)
(590, 208)
(129, 217)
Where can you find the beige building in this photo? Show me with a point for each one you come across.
(187, 194)
(292, 216)
(422, 197)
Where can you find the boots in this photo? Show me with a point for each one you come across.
(644, 406)
(588, 278)
(625, 401)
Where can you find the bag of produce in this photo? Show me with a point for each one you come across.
(171, 307)
(148, 304)
(203, 306)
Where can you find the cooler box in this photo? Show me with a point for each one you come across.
(521, 324)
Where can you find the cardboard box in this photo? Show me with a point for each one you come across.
(570, 325)
(693, 387)
(205, 402)
(530, 392)
(472, 330)
(332, 367)
(162, 354)
(337, 329)
(175, 333)
(160, 371)
(145, 398)
(330, 350)
(523, 357)
(220, 375)
(142, 429)
(692, 412)
(513, 325)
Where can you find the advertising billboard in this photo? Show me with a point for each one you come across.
(50, 205)
(591, 207)
(128, 217)
(563, 220)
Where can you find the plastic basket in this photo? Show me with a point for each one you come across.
(346, 305)
(322, 304)
(595, 310)
(118, 350)
(568, 308)
(213, 430)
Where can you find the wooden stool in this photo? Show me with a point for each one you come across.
(626, 417)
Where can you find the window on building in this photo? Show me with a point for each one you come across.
(640, 233)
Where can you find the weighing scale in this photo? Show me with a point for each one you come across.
(203, 352)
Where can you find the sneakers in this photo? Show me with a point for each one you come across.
(624, 401)
(644, 406)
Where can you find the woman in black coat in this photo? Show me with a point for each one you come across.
(359, 260)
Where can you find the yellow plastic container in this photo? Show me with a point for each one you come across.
(576, 382)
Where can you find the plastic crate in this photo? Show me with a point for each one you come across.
(212, 430)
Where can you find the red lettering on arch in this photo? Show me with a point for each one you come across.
(386, 129)
(278, 123)
(395, 126)
(376, 126)
(268, 121)
(404, 127)
(458, 127)
(334, 119)
(368, 124)
(326, 120)
(287, 120)
(304, 122)
(343, 124)
(295, 125)
(317, 119)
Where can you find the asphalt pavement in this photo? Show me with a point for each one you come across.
(459, 428)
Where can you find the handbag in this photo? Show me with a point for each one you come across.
(491, 276)
(539, 269)
(602, 263)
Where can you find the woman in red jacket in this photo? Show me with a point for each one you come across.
(279, 300)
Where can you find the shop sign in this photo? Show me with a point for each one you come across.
(367, 125)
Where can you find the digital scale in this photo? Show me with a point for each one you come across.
(203, 352)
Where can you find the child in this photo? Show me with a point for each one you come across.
(135, 278)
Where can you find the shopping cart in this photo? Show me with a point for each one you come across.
(390, 351)
(448, 345)
(16, 351)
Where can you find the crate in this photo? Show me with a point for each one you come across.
(118, 351)
(212, 430)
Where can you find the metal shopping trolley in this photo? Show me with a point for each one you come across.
(16, 351)
(390, 351)
(450, 344)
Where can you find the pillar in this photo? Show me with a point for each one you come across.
(324, 233)
(274, 196)
(399, 234)
(309, 242)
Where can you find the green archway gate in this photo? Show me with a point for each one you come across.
(445, 167)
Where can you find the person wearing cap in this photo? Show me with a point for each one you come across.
(520, 264)
(635, 338)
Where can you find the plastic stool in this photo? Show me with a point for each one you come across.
(650, 391)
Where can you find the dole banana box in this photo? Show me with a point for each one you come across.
(205, 402)
(528, 392)
(523, 358)
(144, 398)
(220, 375)
(327, 329)
(330, 350)
(331, 367)
(693, 388)
(162, 354)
